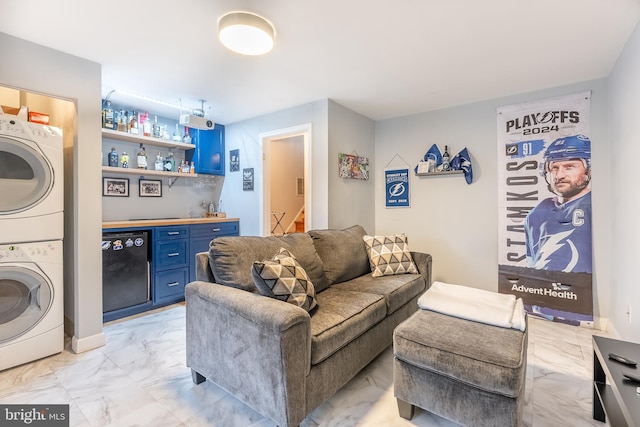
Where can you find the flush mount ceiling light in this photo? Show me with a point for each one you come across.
(246, 33)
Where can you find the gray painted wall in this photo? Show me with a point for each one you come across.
(624, 108)
(245, 136)
(350, 199)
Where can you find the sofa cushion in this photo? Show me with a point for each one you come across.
(341, 317)
(342, 253)
(389, 255)
(284, 278)
(231, 258)
(397, 290)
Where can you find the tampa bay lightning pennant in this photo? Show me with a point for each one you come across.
(434, 154)
(462, 161)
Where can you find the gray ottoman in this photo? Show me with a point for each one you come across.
(468, 372)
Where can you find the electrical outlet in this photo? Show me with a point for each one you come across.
(629, 313)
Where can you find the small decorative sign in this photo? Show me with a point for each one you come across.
(234, 160)
(247, 179)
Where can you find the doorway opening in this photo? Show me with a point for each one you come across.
(286, 187)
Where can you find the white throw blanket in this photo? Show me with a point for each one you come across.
(478, 305)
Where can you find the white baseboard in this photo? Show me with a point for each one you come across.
(613, 333)
(80, 345)
(600, 323)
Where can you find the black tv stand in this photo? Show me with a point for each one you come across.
(617, 402)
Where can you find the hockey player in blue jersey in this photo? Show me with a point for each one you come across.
(558, 230)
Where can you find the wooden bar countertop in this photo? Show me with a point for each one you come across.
(163, 221)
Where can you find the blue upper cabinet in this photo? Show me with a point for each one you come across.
(208, 156)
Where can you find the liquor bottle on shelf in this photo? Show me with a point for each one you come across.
(192, 168)
(116, 118)
(123, 121)
(156, 128)
(186, 138)
(167, 167)
(142, 158)
(113, 158)
(124, 159)
(107, 116)
(133, 123)
(146, 126)
(176, 135)
(159, 165)
(446, 159)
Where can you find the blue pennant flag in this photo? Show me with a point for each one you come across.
(434, 154)
(462, 161)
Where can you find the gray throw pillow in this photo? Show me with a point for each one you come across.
(284, 278)
(342, 253)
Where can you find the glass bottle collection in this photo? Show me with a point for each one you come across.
(140, 124)
(166, 164)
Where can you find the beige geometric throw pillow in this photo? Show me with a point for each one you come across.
(389, 255)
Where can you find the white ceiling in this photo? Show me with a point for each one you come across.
(380, 58)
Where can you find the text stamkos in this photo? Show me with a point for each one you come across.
(521, 197)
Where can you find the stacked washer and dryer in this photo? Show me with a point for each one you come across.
(31, 233)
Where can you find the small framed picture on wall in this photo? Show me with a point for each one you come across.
(247, 179)
(234, 160)
(150, 188)
(115, 187)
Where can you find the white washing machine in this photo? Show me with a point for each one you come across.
(31, 181)
(31, 302)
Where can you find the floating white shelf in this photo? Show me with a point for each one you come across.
(146, 140)
(149, 172)
(455, 172)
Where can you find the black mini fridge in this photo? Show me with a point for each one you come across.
(125, 270)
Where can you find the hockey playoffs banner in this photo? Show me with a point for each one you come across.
(544, 208)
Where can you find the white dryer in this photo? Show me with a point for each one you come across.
(31, 181)
(31, 302)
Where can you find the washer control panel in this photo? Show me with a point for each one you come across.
(21, 129)
(29, 251)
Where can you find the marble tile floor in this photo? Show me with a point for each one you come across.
(139, 378)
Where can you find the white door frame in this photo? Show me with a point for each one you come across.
(266, 138)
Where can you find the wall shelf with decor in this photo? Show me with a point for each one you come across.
(145, 140)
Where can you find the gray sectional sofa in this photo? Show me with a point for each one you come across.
(274, 356)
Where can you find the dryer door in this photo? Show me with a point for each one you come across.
(26, 176)
(25, 298)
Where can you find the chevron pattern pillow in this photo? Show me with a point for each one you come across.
(389, 255)
(283, 278)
